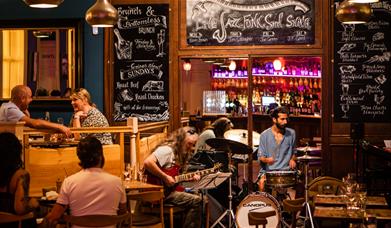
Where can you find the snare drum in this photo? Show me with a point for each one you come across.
(260, 202)
(281, 179)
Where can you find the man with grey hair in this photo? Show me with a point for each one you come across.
(16, 110)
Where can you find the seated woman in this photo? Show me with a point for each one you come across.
(86, 115)
(14, 181)
(215, 130)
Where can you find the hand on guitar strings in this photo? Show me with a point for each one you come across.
(169, 180)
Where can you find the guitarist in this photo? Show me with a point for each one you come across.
(175, 151)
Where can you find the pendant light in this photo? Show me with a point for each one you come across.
(102, 14)
(187, 65)
(353, 13)
(363, 1)
(43, 3)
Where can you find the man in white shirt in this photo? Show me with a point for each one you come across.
(16, 110)
(91, 190)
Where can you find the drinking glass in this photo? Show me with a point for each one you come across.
(361, 191)
(345, 109)
(127, 172)
(60, 120)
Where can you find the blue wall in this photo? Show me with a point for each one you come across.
(93, 45)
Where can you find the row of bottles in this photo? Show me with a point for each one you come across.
(309, 69)
(303, 70)
(299, 103)
(280, 83)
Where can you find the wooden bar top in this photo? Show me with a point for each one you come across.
(341, 213)
(339, 200)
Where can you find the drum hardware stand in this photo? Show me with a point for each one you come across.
(306, 204)
(229, 211)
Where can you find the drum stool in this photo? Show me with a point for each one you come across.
(292, 207)
(259, 218)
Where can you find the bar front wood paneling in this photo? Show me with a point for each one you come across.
(47, 165)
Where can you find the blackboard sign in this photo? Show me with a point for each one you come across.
(250, 22)
(141, 62)
(362, 76)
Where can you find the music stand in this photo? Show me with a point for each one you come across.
(211, 181)
(208, 182)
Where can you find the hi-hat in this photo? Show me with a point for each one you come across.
(241, 135)
(308, 158)
(308, 148)
(229, 146)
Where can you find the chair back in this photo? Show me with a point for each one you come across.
(95, 220)
(325, 185)
(149, 196)
(6, 217)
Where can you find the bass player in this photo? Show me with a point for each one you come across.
(170, 155)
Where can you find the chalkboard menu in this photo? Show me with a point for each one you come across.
(362, 76)
(250, 22)
(141, 62)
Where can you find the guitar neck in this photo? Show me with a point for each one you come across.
(189, 176)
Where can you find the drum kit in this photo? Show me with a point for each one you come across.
(236, 143)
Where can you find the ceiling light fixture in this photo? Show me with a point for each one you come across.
(102, 14)
(363, 1)
(277, 65)
(42, 34)
(43, 3)
(353, 13)
(232, 65)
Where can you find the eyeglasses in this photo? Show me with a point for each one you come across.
(191, 131)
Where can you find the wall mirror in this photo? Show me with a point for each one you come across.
(45, 55)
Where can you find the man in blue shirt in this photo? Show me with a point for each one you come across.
(277, 146)
(16, 110)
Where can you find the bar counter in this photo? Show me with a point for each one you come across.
(306, 126)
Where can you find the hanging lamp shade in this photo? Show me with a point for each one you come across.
(363, 1)
(102, 14)
(353, 13)
(43, 3)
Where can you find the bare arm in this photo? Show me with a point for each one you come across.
(267, 160)
(23, 203)
(37, 123)
(150, 163)
(54, 215)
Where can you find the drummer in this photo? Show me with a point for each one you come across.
(277, 149)
(215, 130)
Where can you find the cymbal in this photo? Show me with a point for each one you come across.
(308, 158)
(309, 148)
(241, 135)
(228, 145)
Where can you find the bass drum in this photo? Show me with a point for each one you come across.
(259, 202)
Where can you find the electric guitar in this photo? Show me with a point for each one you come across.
(174, 172)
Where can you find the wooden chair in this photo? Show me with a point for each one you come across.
(8, 218)
(141, 218)
(292, 207)
(325, 185)
(259, 218)
(96, 220)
